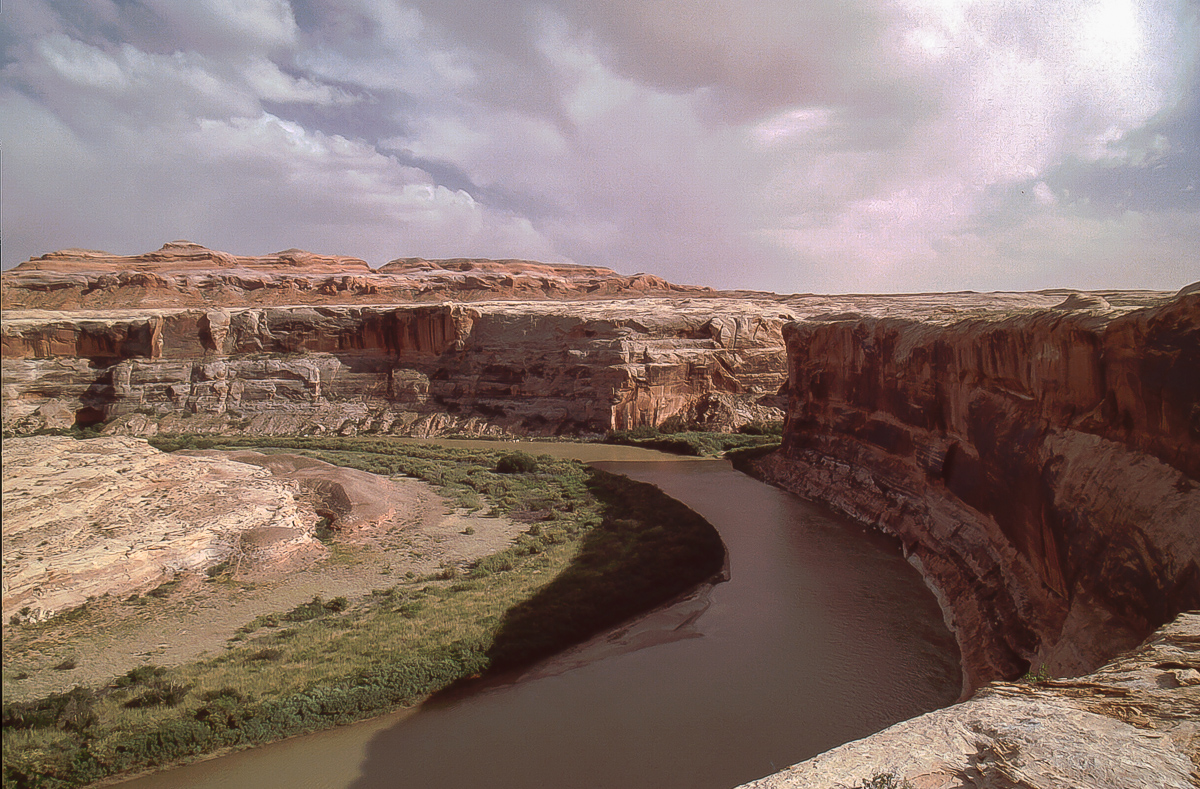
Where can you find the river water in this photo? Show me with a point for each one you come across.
(822, 635)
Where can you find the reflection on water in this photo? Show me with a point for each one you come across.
(823, 634)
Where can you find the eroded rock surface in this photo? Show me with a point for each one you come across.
(115, 516)
(192, 340)
(1041, 467)
(1133, 723)
(531, 368)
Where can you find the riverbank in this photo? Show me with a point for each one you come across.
(595, 549)
(1131, 723)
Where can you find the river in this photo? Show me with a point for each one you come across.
(822, 635)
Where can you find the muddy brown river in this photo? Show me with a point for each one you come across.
(823, 634)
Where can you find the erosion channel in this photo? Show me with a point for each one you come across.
(822, 635)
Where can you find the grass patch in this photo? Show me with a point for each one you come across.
(599, 549)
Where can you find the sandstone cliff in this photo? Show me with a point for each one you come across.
(187, 339)
(531, 368)
(1037, 453)
(1040, 467)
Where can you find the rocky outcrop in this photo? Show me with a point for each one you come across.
(1133, 723)
(531, 368)
(183, 273)
(191, 340)
(115, 516)
(1041, 468)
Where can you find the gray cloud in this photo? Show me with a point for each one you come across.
(826, 146)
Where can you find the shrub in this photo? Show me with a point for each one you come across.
(270, 653)
(517, 463)
(759, 428)
(885, 781)
(72, 711)
(140, 675)
(316, 608)
(159, 693)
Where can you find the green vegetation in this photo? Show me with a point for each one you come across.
(517, 463)
(598, 549)
(885, 781)
(682, 439)
(1032, 677)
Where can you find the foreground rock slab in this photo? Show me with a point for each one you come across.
(114, 516)
(384, 529)
(1133, 723)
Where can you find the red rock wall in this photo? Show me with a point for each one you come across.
(414, 369)
(1041, 469)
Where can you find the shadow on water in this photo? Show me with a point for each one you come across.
(647, 550)
(823, 635)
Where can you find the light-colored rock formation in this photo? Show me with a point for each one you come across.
(116, 516)
(1133, 723)
(499, 367)
(1041, 467)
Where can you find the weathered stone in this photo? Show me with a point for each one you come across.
(1041, 468)
(115, 516)
(501, 368)
(1118, 728)
(183, 273)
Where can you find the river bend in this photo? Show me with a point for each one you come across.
(822, 635)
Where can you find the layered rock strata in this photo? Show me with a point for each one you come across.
(1041, 468)
(115, 516)
(531, 368)
(1133, 723)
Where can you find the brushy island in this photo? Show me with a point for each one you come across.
(599, 549)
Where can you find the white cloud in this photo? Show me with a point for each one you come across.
(81, 64)
(271, 84)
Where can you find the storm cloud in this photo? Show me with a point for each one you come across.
(826, 146)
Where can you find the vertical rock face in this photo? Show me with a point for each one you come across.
(1040, 467)
(520, 367)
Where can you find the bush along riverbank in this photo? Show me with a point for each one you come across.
(683, 439)
(599, 548)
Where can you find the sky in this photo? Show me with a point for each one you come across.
(824, 146)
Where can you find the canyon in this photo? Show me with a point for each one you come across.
(1040, 467)
(1037, 454)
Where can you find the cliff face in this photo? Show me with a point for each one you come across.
(1040, 467)
(1039, 457)
(526, 368)
(188, 339)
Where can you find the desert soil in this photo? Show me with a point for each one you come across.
(413, 530)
